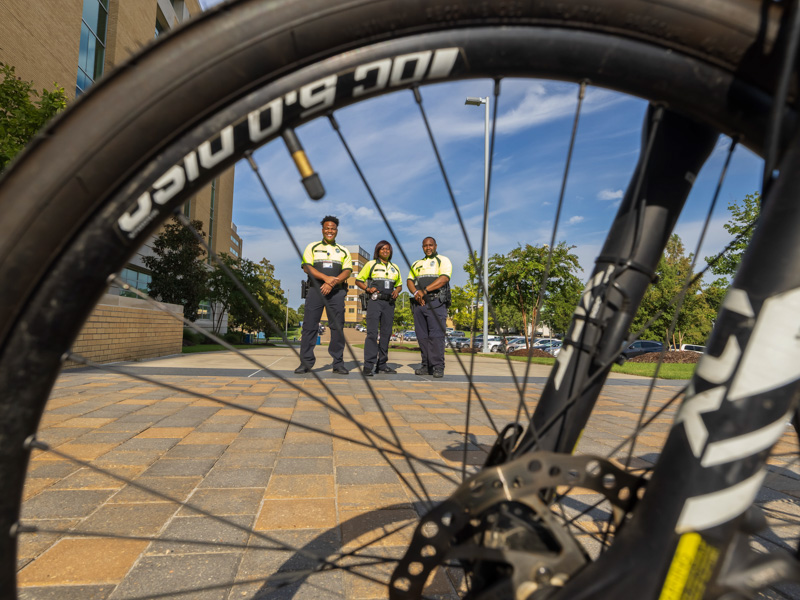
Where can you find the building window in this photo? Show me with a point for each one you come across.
(351, 310)
(92, 51)
(235, 241)
(204, 310)
(136, 279)
(187, 208)
(234, 252)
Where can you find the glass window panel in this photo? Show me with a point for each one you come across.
(83, 50)
(83, 81)
(100, 29)
(89, 67)
(91, 10)
(99, 60)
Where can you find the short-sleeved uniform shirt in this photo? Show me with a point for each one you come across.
(424, 272)
(330, 259)
(384, 276)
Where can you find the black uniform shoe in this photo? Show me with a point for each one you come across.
(387, 370)
(368, 372)
(422, 371)
(301, 369)
(340, 370)
(438, 373)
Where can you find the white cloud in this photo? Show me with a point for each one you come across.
(575, 219)
(609, 194)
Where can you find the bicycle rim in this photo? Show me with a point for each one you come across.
(112, 216)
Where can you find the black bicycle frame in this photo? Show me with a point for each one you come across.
(674, 149)
(740, 401)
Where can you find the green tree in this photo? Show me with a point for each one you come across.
(23, 112)
(695, 317)
(403, 317)
(558, 308)
(178, 270)
(259, 280)
(516, 278)
(743, 218)
(462, 307)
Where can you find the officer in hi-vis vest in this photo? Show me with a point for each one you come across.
(330, 265)
(429, 282)
(380, 279)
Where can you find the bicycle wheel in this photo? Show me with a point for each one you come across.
(136, 146)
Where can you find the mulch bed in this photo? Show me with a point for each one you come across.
(534, 352)
(676, 356)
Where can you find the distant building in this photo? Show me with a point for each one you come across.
(72, 43)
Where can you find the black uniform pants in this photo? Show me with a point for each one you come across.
(429, 325)
(313, 313)
(380, 316)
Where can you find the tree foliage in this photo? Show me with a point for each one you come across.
(742, 222)
(23, 112)
(179, 274)
(516, 279)
(403, 317)
(259, 280)
(658, 305)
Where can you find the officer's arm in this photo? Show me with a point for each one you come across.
(316, 274)
(437, 283)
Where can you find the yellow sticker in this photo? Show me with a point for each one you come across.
(691, 568)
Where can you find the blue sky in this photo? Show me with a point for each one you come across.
(388, 138)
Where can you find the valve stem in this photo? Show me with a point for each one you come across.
(310, 179)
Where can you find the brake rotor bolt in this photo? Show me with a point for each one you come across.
(542, 575)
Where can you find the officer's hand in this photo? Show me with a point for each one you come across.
(372, 290)
(395, 293)
(330, 280)
(326, 288)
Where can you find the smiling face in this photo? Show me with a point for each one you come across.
(329, 231)
(428, 246)
(385, 252)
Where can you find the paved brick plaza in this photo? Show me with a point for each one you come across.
(268, 482)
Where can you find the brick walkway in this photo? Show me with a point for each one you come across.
(268, 480)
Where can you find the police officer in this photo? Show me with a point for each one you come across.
(429, 282)
(329, 265)
(380, 278)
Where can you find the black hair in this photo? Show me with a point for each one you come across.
(430, 237)
(331, 219)
(380, 245)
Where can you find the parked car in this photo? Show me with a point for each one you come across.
(360, 327)
(640, 347)
(514, 344)
(693, 348)
(409, 336)
(458, 342)
(551, 347)
(540, 342)
(493, 344)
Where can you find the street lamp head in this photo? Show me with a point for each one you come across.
(474, 101)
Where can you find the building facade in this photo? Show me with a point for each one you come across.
(352, 303)
(72, 44)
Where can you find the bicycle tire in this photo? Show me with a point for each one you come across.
(53, 216)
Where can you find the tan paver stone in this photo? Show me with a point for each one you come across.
(255, 445)
(371, 496)
(50, 420)
(146, 401)
(319, 513)
(208, 438)
(166, 432)
(356, 458)
(392, 527)
(300, 486)
(86, 451)
(88, 422)
(236, 501)
(444, 411)
(34, 485)
(432, 426)
(83, 562)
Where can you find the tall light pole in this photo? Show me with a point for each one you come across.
(477, 102)
(287, 312)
